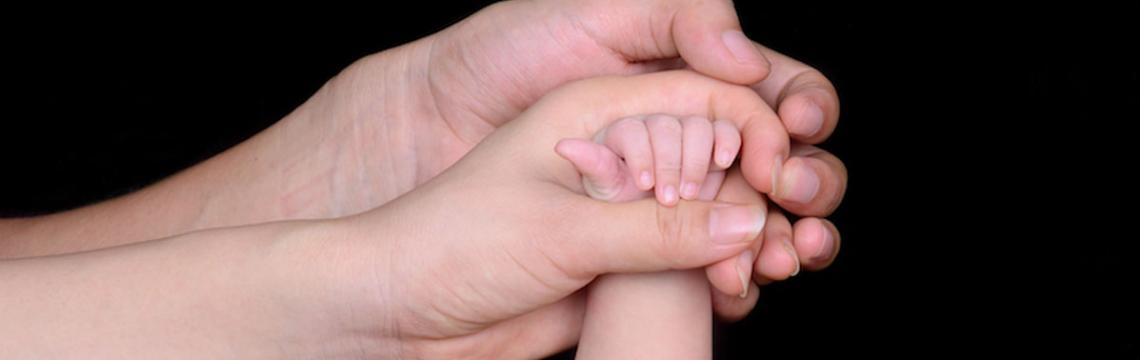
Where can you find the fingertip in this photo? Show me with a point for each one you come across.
(732, 276)
(573, 150)
(645, 180)
(797, 182)
(708, 37)
(666, 142)
(777, 259)
(764, 152)
(690, 190)
(562, 147)
(731, 307)
(816, 242)
(667, 195)
(629, 137)
(802, 116)
(697, 144)
(727, 143)
(723, 277)
(811, 185)
(745, 54)
(810, 113)
(744, 266)
(810, 238)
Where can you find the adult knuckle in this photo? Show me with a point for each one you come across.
(673, 228)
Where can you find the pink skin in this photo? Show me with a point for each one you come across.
(677, 153)
(656, 315)
(445, 93)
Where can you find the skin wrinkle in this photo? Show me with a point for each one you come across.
(410, 142)
(797, 89)
(518, 81)
(530, 272)
(577, 278)
(462, 324)
(390, 127)
(668, 31)
(592, 35)
(433, 93)
(475, 81)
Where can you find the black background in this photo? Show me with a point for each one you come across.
(989, 153)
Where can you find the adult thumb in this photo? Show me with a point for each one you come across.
(708, 37)
(644, 236)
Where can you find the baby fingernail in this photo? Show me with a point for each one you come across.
(724, 158)
(744, 271)
(646, 180)
(669, 195)
(689, 191)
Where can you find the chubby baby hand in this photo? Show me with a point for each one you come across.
(681, 158)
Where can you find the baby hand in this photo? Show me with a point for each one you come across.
(679, 157)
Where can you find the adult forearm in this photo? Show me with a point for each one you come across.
(314, 163)
(239, 292)
(232, 188)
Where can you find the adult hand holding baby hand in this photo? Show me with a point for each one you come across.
(484, 71)
(395, 120)
(489, 256)
(492, 66)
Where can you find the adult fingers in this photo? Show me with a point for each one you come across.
(706, 34)
(732, 275)
(805, 99)
(643, 235)
(812, 182)
(817, 242)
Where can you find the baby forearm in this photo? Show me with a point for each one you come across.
(665, 315)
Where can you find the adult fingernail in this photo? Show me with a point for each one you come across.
(828, 247)
(742, 49)
(777, 168)
(811, 120)
(735, 224)
(798, 182)
(744, 271)
(791, 250)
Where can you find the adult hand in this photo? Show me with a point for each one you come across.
(487, 258)
(485, 70)
(484, 260)
(394, 120)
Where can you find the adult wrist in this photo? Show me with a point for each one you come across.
(325, 277)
